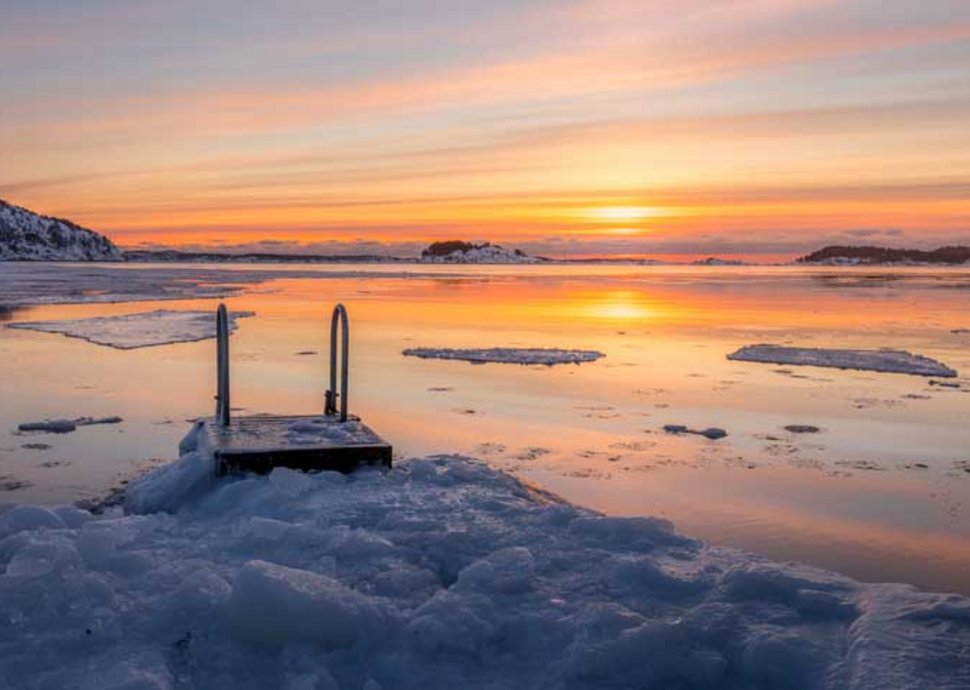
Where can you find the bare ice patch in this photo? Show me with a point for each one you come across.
(507, 355)
(887, 361)
(132, 331)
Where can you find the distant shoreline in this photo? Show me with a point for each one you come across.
(294, 260)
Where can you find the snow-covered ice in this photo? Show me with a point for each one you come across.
(507, 355)
(440, 573)
(314, 431)
(132, 331)
(889, 361)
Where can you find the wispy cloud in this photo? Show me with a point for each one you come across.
(322, 121)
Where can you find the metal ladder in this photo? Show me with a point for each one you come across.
(339, 319)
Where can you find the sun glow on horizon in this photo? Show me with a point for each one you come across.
(623, 214)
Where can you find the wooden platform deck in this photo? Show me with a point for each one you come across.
(309, 443)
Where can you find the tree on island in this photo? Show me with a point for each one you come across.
(885, 255)
(447, 247)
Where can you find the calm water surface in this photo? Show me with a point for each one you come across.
(881, 493)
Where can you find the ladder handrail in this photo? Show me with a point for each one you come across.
(339, 318)
(222, 366)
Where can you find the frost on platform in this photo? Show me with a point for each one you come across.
(507, 355)
(889, 361)
(441, 573)
(314, 431)
(131, 331)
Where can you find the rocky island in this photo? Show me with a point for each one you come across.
(836, 255)
(29, 236)
(458, 252)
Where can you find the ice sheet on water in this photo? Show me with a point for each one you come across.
(66, 426)
(42, 283)
(507, 355)
(887, 361)
(439, 573)
(145, 329)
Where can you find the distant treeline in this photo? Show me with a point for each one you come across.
(885, 255)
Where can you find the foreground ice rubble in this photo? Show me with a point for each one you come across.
(440, 573)
(507, 355)
(888, 361)
(131, 331)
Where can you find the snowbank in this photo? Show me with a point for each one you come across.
(507, 355)
(441, 573)
(131, 331)
(890, 361)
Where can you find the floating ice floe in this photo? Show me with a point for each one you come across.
(131, 331)
(66, 426)
(440, 573)
(507, 355)
(888, 361)
(802, 429)
(713, 433)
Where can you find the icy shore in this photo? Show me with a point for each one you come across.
(441, 573)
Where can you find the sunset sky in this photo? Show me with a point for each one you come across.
(576, 127)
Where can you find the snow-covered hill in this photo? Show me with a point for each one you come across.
(457, 252)
(28, 236)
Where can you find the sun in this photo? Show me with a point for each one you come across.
(613, 214)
